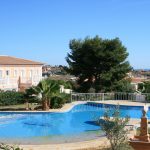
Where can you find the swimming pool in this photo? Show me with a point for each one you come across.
(53, 126)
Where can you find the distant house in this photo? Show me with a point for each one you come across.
(135, 82)
(63, 90)
(18, 74)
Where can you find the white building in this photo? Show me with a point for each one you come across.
(18, 74)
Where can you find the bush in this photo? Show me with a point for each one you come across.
(66, 97)
(56, 102)
(114, 128)
(8, 147)
(60, 100)
(147, 98)
(11, 98)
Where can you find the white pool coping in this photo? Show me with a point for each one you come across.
(68, 106)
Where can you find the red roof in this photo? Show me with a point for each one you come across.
(137, 80)
(9, 60)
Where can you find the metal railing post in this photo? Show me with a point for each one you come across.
(71, 96)
(103, 96)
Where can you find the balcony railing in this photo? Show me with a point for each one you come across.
(12, 83)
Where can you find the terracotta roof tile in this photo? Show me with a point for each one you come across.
(136, 80)
(9, 60)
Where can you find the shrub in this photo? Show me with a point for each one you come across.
(59, 100)
(56, 102)
(11, 98)
(66, 97)
(114, 128)
(8, 147)
(147, 98)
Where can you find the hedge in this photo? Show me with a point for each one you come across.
(11, 98)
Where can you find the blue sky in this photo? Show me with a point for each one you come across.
(41, 29)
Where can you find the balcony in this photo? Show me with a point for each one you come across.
(15, 83)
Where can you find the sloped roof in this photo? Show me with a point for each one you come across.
(137, 80)
(9, 60)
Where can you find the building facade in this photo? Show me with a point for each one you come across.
(18, 74)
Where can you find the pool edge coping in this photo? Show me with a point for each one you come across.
(68, 106)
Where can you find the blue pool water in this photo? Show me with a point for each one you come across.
(78, 120)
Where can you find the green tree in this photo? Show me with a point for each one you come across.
(145, 87)
(124, 86)
(141, 87)
(45, 90)
(98, 63)
(66, 84)
(114, 128)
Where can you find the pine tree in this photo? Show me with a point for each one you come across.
(98, 63)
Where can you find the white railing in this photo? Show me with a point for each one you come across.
(12, 83)
(143, 97)
(8, 83)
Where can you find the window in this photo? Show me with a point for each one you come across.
(7, 73)
(31, 73)
(22, 73)
(15, 73)
(37, 72)
(1, 73)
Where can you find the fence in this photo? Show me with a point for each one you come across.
(143, 97)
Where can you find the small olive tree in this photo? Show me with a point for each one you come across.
(115, 129)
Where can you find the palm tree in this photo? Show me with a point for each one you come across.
(45, 90)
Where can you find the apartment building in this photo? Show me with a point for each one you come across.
(18, 74)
